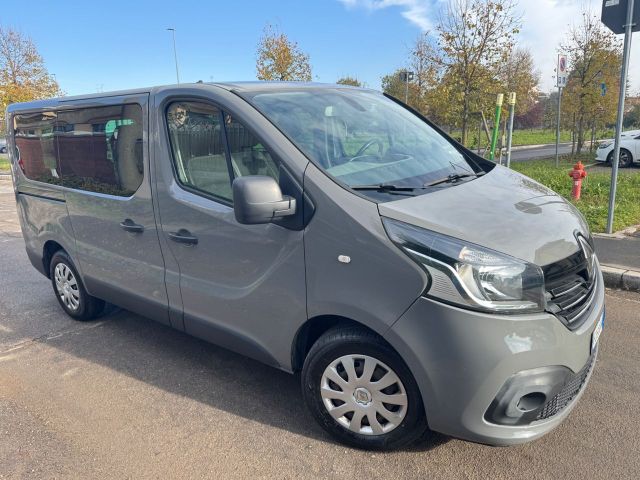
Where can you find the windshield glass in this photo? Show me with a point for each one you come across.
(362, 138)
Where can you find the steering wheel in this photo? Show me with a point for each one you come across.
(364, 147)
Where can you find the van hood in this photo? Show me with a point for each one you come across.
(502, 210)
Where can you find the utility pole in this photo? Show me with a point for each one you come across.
(611, 17)
(175, 53)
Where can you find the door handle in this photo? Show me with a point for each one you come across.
(130, 226)
(183, 236)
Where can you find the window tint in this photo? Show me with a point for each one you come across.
(101, 149)
(36, 152)
(248, 155)
(196, 134)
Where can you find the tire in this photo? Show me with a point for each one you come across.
(69, 289)
(381, 426)
(625, 160)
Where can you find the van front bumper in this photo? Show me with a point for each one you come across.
(494, 378)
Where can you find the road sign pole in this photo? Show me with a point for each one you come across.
(496, 127)
(406, 90)
(512, 112)
(558, 126)
(628, 31)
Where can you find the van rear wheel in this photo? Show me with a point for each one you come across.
(361, 392)
(70, 291)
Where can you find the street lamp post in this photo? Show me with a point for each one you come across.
(175, 53)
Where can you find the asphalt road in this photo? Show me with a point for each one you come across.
(540, 152)
(125, 397)
(523, 154)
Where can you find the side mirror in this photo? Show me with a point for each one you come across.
(258, 199)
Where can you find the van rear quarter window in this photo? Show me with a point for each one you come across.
(95, 149)
(36, 151)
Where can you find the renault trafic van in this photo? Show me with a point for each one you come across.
(325, 230)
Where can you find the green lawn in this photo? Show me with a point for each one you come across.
(532, 136)
(4, 163)
(538, 137)
(595, 190)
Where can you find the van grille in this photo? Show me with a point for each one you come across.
(570, 285)
(569, 391)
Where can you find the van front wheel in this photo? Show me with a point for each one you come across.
(70, 291)
(361, 392)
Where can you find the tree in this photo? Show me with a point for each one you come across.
(353, 81)
(595, 57)
(632, 119)
(519, 74)
(279, 58)
(425, 77)
(23, 76)
(474, 38)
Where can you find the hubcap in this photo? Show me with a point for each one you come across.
(67, 286)
(624, 158)
(363, 395)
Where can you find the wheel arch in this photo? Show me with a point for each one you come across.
(314, 328)
(48, 250)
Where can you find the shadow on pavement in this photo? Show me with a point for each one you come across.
(186, 366)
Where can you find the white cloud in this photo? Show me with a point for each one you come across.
(545, 24)
(418, 12)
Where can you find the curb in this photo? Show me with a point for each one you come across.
(5, 176)
(621, 278)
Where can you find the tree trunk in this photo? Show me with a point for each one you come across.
(465, 117)
(573, 135)
(580, 133)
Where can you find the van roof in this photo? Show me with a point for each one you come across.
(245, 86)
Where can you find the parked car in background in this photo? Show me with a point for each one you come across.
(324, 230)
(629, 149)
(3, 145)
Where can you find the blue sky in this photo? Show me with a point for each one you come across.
(102, 46)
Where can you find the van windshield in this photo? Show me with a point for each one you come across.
(364, 139)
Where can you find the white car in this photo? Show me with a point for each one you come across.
(629, 149)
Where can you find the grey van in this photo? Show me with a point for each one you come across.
(325, 230)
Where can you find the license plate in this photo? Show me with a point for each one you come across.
(596, 333)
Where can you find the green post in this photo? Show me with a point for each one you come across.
(496, 127)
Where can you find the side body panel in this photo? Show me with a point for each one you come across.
(124, 268)
(378, 284)
(241, 286)
(42, 208)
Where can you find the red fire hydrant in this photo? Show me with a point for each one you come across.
(578, 173)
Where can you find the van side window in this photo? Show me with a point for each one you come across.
(101, 149)
(35, 151)
(195, 131)
(248, 155)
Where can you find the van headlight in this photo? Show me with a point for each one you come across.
(469, 275)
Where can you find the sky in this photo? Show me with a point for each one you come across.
(96, 46)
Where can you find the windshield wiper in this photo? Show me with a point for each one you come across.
(453, 178)
(384, 187)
